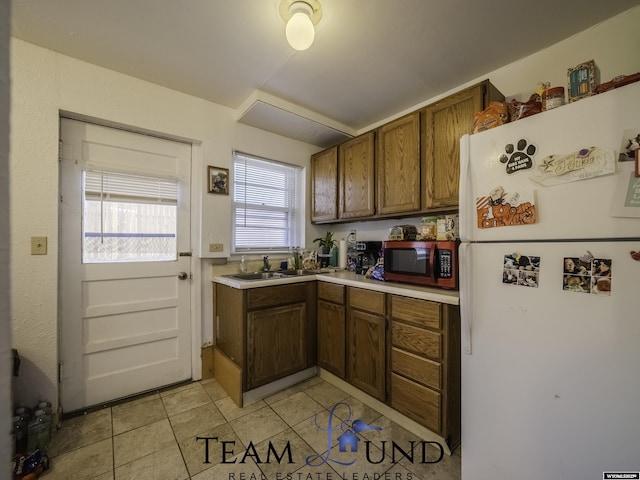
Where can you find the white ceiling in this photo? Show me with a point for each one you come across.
(370, 59)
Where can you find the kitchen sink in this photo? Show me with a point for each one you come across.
(268, 275)
(289, 273)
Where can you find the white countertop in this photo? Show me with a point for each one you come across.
(342, 277)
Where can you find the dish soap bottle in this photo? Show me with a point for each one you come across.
(243, 265)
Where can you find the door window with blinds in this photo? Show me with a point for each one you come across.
(128, 218)
(267, 214)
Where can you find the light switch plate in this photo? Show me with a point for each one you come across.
(216, 247)
(38, 245)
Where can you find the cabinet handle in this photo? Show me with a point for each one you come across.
(217, 327)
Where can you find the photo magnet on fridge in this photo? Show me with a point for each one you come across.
(518, 269)
(502, 209)
(587, 274)
(629, 145)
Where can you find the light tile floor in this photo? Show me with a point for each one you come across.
(283, 437)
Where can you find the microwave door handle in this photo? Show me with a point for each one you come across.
(432, 257)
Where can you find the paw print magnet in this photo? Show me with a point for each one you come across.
(518, 157)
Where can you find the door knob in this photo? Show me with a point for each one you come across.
(182, 275)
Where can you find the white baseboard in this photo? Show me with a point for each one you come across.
(259, 393)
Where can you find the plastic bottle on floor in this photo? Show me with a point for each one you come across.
(39, 432)
(20, 435)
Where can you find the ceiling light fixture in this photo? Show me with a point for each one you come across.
(301, 18)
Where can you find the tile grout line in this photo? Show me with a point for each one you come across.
(113, 444)
(184, 460)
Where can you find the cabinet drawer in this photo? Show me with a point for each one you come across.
(331, 292)
(276, 295)
(422, 313)
(416, 401)
(422, 370)
(417, 340)
(366, 300)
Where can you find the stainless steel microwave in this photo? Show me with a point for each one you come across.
(427, 263)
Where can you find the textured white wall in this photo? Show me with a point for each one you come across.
(43, 83)
(5, 325)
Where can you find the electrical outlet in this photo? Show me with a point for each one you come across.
(216, 247)
(38, 245)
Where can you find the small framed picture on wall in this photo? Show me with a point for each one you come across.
(218, 180)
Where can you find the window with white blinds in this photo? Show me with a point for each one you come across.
(267, 214)
(128, 218)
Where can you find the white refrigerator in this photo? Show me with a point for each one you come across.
(550, 293)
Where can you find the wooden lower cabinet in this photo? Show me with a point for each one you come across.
(366, 342)
(331, 328)
(425, 364)
(417, 402)
(276, 343)
(400, 350)
(265, 333)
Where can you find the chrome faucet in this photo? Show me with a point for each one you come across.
(265, 262)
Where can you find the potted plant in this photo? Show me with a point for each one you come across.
(326, 243)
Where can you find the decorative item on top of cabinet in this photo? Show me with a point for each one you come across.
(324, 185)
(331, 328)
(444, 123)
(398, 166)
(366, 341)
(356, 187)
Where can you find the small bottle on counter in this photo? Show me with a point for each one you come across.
(243, 265)
(296, 259)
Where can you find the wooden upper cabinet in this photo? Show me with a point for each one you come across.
(444, 123)
(398, 166)
(356, 177)
(324, 185)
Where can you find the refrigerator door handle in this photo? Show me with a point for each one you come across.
(464, 189)
(466, 296)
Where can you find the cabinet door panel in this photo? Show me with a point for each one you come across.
(229, 321)
(331, 292)
(324, 185)
(445, 122)
(421, 313)
(417, 340)
(331, 337)
(367, 300)
(416, 402)
(366, 365)
(356, 177)
(277, 295)
(416, 368)
(398, 166)
(284, 327)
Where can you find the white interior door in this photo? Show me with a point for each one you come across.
(125, 264)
